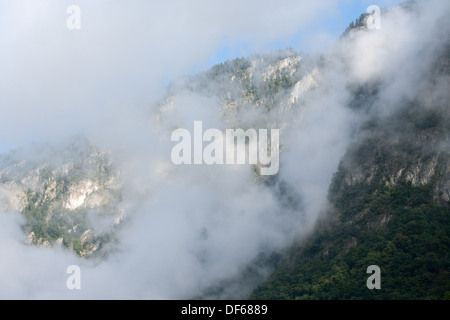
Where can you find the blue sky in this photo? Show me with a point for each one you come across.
(330, 28)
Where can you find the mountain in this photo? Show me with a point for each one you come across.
(364, 177)
(390, 207)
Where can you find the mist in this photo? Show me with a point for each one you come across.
(188, 228)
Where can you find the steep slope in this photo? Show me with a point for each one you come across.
(388, 203)
(69, 196)
(391, 208)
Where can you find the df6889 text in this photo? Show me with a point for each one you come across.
(243, 309)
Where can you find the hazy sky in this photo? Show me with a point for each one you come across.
(318, 33)
(176, 38)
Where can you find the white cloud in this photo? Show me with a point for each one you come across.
(191, 226)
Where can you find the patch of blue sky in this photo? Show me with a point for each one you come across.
(315, 36)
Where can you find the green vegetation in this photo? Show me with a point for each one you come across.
(48, 221)
(398, 228)
(359, 23)
(379, 216)
(235, 80)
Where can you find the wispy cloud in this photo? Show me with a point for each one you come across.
(191, 226)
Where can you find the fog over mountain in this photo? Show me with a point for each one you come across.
(91, 182)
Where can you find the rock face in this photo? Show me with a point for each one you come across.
(269, 84)
(392, 159)
(59, 194)
(78, 194)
